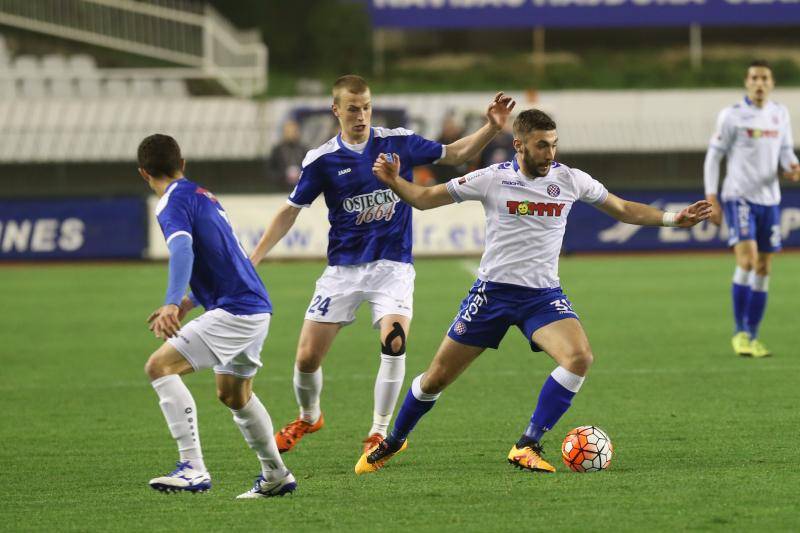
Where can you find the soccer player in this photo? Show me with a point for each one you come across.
(205, 255)
(755, 136)
(526, 201)
(369, 246)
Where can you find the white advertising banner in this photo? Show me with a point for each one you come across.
(456, 229)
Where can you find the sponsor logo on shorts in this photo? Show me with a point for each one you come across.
(345, 171)
(460, 328)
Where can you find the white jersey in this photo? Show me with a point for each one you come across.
(525, 218)
(755, 141)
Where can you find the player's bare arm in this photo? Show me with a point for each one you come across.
(415, 195)
(281, 224)
(716, 209)
(468, 147)
(645, 215)
(792, 173)
(164, 321)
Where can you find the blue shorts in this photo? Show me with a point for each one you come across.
(753, 222)
(491, 308)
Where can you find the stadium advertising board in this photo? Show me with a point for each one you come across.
(72, 229)
(581, 13)
(590, 230)
(458, 229)
(451, 230)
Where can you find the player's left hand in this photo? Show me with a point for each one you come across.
(499, 110)
(695, 213)
(793, 174)
(164, 321)
(387, 168)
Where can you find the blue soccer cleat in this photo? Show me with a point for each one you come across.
(269, 489)
(184, 478)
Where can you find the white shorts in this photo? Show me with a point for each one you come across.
(387, 285)
(230, 344)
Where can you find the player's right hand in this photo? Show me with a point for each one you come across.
(164, 322)
(387, 168)
(186, 306)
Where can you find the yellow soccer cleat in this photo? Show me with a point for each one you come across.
(741, 344)
(758, 349)
(529, 458)
(375, 459)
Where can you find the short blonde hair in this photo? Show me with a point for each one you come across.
(350, 83)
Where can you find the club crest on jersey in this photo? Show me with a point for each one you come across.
(549, 209)
(377, 205)
(208, 194)
(553, 190)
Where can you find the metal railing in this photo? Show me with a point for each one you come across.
(196, 37)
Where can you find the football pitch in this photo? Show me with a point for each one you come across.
(703, 439)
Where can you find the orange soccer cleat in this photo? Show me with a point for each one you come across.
(288, 437)
(372, 442)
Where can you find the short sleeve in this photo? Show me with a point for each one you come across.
(175, 218)
(589, 190)
(473, 186)
(725, 132)
(308, 187)
(423, 151)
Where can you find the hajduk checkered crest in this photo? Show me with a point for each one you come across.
(553, 190)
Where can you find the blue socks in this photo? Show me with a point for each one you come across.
(749, 294)
(554, 400)
(740, 293)
(416, 404)
(758, 303)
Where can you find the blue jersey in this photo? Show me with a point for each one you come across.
(222, 275)
(368, 221)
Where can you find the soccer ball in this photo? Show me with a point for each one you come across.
(587, 449)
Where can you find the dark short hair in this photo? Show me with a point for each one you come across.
(531, 120)
(351, 83)
(760, 63)
(159, 155)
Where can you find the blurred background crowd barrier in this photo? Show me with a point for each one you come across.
(635, 88)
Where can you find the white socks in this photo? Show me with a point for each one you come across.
(759, 283)
(388, 383)
(568, 380)
(256, 427)
(180, 412)
(741, 276)
(307, 389)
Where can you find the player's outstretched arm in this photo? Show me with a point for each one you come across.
(387, 169)
(468, 147)
(645, 215)
(281, 224)
(793, 172)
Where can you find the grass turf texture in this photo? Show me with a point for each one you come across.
(703, 439)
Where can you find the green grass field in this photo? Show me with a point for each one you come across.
(704, 440)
